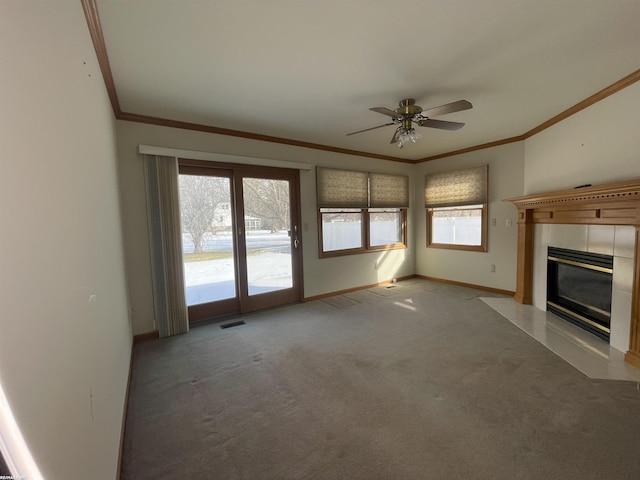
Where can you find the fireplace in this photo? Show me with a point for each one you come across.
(579, 289)
(614, 204)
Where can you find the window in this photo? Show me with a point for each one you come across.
(456, 204)
(360, 211)
(341, 229)
(386, 227)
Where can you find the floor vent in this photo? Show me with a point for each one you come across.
(232, 324)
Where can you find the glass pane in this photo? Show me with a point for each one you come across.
(459, 226)
(385, 227)
(341, 230)
(267, 234)
(589, 289)
(207, 244)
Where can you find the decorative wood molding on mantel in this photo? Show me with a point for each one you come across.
(610, 204)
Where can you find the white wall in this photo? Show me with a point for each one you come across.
(320, 275)
(597, 145)
(65, 339)
(506, 168)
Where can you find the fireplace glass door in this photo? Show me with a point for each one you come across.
(579, 289)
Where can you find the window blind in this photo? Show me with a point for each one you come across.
(353, 189)
(341, 188)
(388, 190)
(467, 186)
(165, 238)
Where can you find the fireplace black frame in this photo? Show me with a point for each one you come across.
(585, 294)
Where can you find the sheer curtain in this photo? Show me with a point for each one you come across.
(165, 238)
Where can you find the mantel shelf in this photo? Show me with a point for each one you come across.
(612, 192)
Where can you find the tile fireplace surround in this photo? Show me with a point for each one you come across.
(617, 241)
(600, 219)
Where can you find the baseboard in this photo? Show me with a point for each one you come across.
(125, 408)
(143, 337)
(354, 289)
(469, 285)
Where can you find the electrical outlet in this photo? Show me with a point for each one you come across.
(493, 222)
(493, 268)
(508, 222)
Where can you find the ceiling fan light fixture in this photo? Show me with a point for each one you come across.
(405, 135)
(409, 113)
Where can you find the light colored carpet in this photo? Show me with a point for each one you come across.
(340, 301)
(415, 385)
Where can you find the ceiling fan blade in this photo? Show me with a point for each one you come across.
(448, 108)
(386, 111)
(441, 124)
(372, 128)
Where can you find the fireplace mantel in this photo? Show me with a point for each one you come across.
(609, 204)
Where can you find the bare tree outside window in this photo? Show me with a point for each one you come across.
(267, 200)
(201, 199)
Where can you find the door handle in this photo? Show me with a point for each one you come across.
(296, 242)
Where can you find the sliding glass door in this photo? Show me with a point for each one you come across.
(207, 243)
(241, 238)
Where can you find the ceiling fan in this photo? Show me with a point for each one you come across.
(409, 113)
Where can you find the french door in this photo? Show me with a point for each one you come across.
(241, 238)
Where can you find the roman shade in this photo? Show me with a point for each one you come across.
(338, 188)
(341, 188)
(388, 191)
(467, 186)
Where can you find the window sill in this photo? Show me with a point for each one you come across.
(342, 253)
(450, 246)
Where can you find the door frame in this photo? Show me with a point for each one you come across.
(244, 303)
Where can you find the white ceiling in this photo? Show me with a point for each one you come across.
(310, 70)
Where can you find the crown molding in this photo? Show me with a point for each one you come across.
(164, 122)
(587, 102)
(95, 29)
(497, 143)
